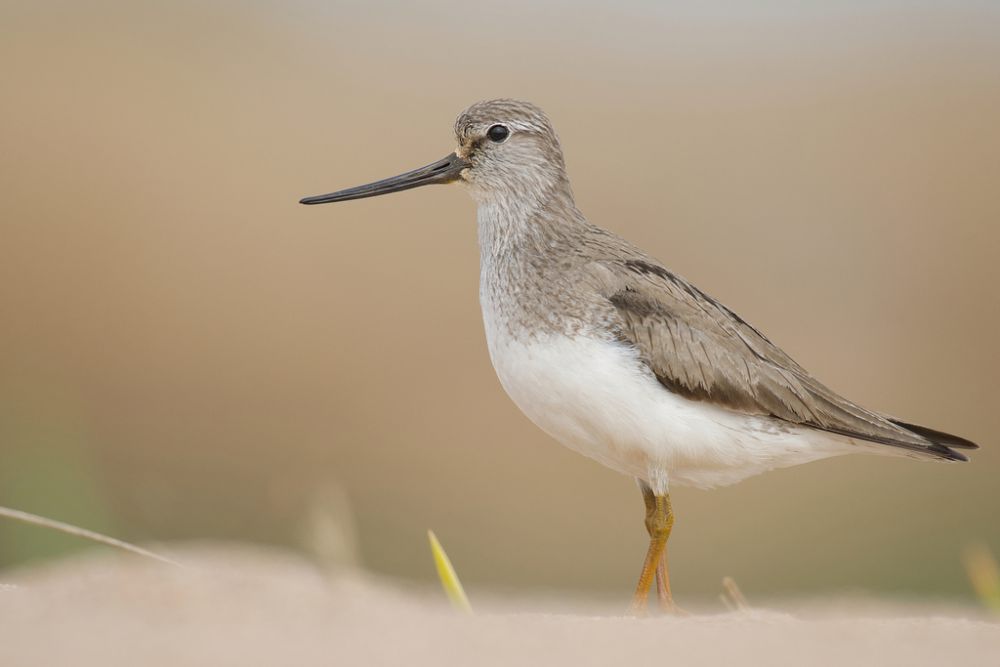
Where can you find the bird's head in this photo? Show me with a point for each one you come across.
(506, 148)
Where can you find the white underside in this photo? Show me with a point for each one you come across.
(595, 397)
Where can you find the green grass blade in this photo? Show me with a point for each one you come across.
(446, 573)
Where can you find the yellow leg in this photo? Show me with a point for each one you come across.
(659, 521)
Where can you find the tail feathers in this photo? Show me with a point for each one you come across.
(941, 442)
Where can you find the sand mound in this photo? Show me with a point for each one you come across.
(246, 607)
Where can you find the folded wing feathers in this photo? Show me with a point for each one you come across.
(702, 350)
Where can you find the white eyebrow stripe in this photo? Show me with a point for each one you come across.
(511, 125)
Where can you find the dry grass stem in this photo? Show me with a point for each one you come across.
(984, 574)
(732, 596)
(35, 520)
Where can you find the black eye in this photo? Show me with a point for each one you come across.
(498, 133)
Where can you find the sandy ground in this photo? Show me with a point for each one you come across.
(245, 607)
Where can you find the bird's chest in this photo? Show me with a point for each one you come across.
(575, 386)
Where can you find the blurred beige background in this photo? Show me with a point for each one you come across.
(185, 352)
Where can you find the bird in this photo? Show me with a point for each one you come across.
(619, 358)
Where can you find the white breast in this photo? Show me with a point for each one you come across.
(595, 397)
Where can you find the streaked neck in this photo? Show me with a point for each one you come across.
(511, 224)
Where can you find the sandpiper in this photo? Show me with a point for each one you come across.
(622, 360)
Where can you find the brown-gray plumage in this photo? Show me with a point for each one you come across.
(694, 345)
(699, 348)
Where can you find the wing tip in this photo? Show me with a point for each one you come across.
(946, 454)
(936, 444)
(941, 442)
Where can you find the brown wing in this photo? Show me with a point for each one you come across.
(700, 349)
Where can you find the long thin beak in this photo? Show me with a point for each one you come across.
(445, 170)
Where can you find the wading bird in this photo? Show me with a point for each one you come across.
(622, 360)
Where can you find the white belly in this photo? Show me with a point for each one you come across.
(596, 398)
